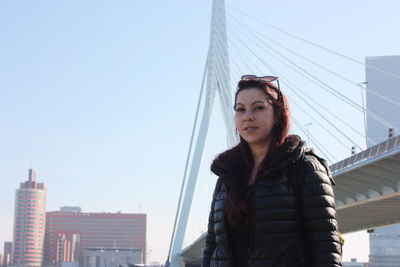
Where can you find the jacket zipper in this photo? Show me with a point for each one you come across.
(228, 249)
(253, 220)
(253, 215)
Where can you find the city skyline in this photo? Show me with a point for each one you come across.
(100, 98)
(43, 238)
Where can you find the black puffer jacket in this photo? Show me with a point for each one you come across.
(291, 227)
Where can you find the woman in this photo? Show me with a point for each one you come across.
(273, 204)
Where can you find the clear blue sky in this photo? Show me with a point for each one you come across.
(99, 96)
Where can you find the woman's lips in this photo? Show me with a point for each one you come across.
(250, 129)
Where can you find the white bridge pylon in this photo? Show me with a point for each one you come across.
(216, 78)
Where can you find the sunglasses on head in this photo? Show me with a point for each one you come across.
(265, 80)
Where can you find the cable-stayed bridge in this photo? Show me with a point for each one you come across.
(367, 183)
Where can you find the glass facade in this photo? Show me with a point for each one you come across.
(385, 241)
(385, 247)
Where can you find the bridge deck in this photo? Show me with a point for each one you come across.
(367, 187)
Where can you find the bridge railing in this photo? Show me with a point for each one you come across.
(371, 152)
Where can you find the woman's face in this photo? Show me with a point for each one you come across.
(254, 116)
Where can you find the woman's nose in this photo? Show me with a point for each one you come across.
(249, 115)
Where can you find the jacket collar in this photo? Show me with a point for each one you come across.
(289, 152)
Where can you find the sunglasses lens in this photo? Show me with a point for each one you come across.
(268, 78)
(249, 77)
(255, 78)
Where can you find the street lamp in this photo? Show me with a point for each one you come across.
(307, 125)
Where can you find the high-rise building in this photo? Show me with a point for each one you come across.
(69, 234)
(383, 83)
(384, 246)
(29, 222)
(7, 253)
(382, 74)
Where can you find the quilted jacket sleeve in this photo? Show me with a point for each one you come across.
(210, 238)
(319, 213)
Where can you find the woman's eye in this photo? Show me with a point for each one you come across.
(239, 109)
(260, 108)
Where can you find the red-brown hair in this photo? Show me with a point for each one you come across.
(237, 207)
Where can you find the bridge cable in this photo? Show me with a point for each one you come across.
(334, 115)
(288, 84)
(322, 107)
(323, 117)
(250, 29)
(315, 45)
(316, 142)
(334, 91)
(320, 147)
